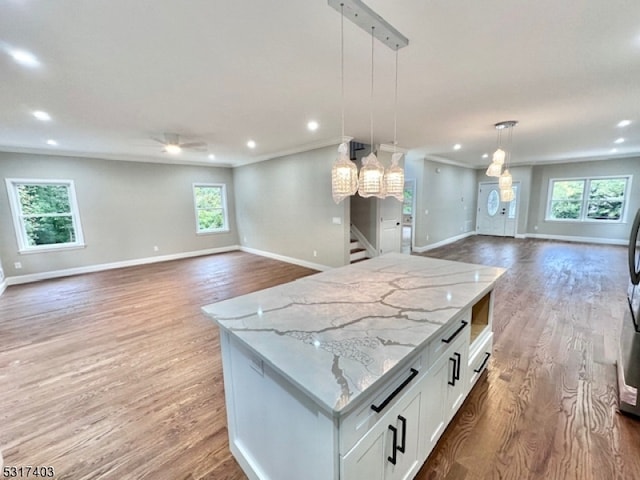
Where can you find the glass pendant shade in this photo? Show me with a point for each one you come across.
(499, 156)
(371, 180)
(507, 194)
(394, 178)
(344, 175)
(494, 170)
(505, 181)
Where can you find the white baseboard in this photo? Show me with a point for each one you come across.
(569, 238)
(520, 235)
(443, 242)
(34, 277)
(283, 258)
(3, 286)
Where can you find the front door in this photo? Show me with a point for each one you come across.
(496, 217)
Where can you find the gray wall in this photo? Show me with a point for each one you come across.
(448, 193)
(539, 192)
(126, 208)
(284, 206)
(364, 215)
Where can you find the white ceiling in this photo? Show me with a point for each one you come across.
(114, 73)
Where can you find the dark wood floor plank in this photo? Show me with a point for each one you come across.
(117, 375)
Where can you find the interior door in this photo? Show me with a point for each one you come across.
(496, 217)
(390, 210)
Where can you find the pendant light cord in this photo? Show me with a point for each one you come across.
(395, 108)
(371, 109)
(510, 147)
(342, 65)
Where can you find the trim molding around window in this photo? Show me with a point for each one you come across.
(45, 214)
(598, 199)
(210, 205)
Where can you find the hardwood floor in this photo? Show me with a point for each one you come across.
(117, 375)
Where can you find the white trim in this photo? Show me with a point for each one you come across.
(223, 189)
(283, 258)
(34, 277)
(17, 214)
(521, 235)
(371, 251)
(570, 238)
(307, 147)
(3, 286)
(444, 242)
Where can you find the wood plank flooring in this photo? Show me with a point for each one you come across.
(117, 375)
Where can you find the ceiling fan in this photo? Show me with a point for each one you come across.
(173, 146)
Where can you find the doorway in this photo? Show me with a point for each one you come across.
(408, 209)
(495, 217)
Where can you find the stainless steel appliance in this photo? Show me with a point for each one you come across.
(629, 354)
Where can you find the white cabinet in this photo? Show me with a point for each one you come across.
(391, 449)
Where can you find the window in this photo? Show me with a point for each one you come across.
(211, 208)
(587, 199)
(45, 214)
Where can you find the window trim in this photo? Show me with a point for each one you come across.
(19, 226)
(585, 200)
(225, 227)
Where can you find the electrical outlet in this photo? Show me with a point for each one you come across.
(17, 265)
(155, 248)
(427, 236)
(315, 253)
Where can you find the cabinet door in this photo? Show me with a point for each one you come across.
(433, 407)
(390, 450)
(457, 370)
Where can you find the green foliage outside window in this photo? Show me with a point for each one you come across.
(46, 214)
(604, 199)
(210, 208)
(407, 204)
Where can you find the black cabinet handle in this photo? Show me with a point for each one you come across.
(484, 362)
(386, 401)
(403, 438)
(393, 456)
(452, 382)
(457, 373)
(455, 334)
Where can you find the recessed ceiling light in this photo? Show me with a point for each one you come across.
(52, 142)
(40, 115)
(624, 123)
(613, 150)
(211, 156)
(312, 125)
(485, 155)
(619, 140)
(251, 144)
(457, 146)
(24, 58)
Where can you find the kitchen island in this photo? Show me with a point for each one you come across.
(355, 372)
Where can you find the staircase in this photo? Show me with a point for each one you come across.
(357, 252)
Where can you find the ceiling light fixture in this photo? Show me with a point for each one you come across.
(394, 175)
(24, 58)
(52, 142)
(43, 116)
(172, 149)
(485, 155)
(619, 140)
(211, 156)
(505, 180)
(251, 144)
(457, 146)
(624, 123)
(344, 174)
(371, 179)
(313, 125)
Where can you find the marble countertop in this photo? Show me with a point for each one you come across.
(337, 333)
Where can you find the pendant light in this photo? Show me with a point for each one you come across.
(371, 179)
(394, 175)
(505, 181)
(344, 173)
(495, 168)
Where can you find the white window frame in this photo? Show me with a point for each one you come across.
(19, 225)
(225, 226)
(585, 200)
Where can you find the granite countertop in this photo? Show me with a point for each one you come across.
(336, 333)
